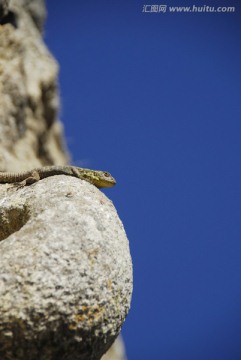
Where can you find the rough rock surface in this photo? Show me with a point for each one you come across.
(3, 8)
(65, 275)
(30, 134)
(116, 352)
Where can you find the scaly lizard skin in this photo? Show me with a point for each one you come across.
(98, 178)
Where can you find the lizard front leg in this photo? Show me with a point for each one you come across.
(34, 177)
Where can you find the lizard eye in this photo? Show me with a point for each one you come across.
(106, 174)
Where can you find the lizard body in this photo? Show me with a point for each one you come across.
(98, 178)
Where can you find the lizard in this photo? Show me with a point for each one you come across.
(101, 179)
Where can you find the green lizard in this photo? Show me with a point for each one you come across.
(98, 178)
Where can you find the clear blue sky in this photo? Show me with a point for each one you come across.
(155, 98)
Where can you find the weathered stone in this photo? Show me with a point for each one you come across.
(116, 352)
(30, 133)
(3, 8)
(65, 275)
(37, 10)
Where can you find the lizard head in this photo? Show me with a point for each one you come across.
(101, 179)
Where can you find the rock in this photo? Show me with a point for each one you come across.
(116, 352)
(30, 132)
(66, 272)
(4, 4)
(37, 10)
